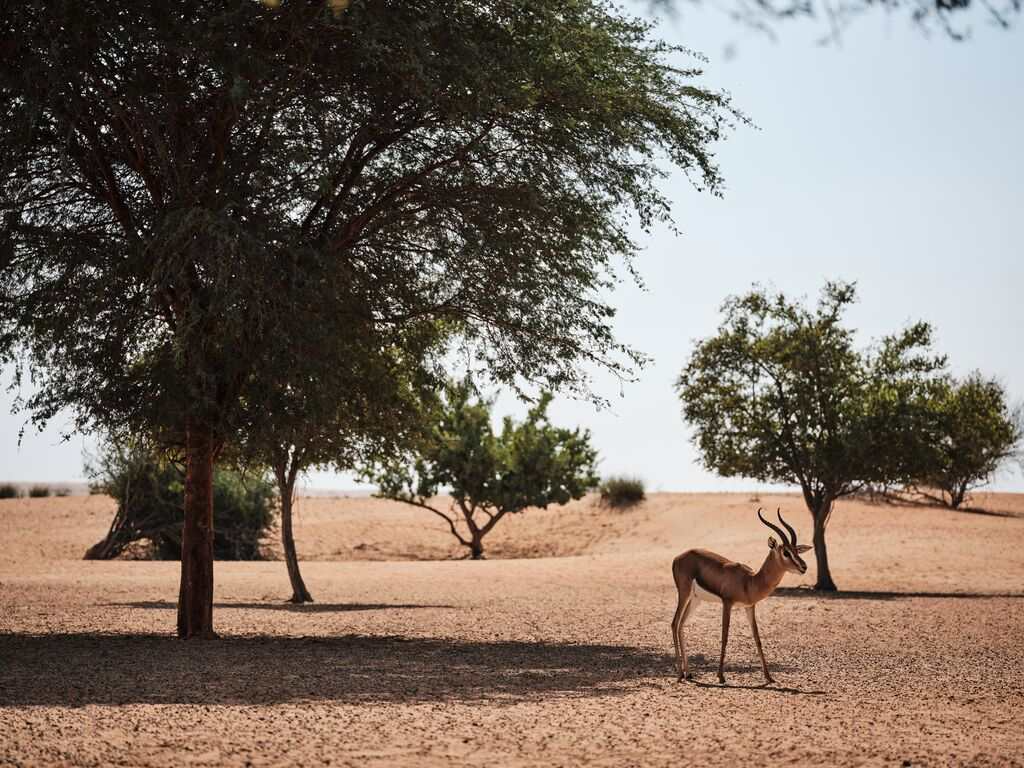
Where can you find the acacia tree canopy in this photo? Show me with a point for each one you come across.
(488, 474)
(185, 197)
(781, 394)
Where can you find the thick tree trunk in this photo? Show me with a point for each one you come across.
(195, 598)
(821, 515)
(299, 592)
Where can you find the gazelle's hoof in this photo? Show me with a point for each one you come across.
(721, 679)
(769, 680)
(684, 676)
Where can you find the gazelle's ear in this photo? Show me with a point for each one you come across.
(801, 548)
(772, 544)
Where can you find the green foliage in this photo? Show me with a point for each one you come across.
(9, 491)
(300, 190)
(148, 487)
(780, 394)
(243, 511)
(39, 491)
(621, 491)
(527, 464)
(976, 431)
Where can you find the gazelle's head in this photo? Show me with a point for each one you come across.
(788, 552)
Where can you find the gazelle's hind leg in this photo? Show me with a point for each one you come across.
(691, 604)
(684, 606)
(752, 619)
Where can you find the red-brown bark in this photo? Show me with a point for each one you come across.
(195, 598)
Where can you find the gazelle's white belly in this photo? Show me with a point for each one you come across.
(699, 593)
(703, 595)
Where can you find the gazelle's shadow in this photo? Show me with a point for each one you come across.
(767, 687)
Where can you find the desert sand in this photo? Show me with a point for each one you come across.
(554, 651)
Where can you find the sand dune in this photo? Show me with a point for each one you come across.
(555, 651)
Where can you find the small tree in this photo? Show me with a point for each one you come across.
(781, 395)
(529, 464)
(346, 417)
(976, 431)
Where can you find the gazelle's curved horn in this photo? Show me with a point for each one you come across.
(772, 526)
(789, 527)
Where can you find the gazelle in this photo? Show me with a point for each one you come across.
(703, 575)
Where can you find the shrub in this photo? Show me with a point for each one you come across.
(622, 491)
(39, 491)
(62, 492)
(150, 495)
(9, 491)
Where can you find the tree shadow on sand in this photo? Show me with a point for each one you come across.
(284, 606)
(109, 669)
(927, 501)
(882, 595)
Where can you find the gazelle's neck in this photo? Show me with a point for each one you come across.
(769, 576)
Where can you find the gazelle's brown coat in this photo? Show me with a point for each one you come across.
(700, 574)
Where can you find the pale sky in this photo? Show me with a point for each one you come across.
(894, 160)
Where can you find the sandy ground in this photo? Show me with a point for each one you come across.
(556, 651)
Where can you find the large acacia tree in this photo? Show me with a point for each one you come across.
(186, 192)
(781, 394)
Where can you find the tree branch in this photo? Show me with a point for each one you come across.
(451, 523)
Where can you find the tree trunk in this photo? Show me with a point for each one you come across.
(956, 496)
(195, 598)
(821, 515)
(108, 547)
(299, 592)
(476, 547)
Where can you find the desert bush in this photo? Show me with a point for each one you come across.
(62, 492)
(39, 491)
(9, 491)
(621, 491)
(150, 495)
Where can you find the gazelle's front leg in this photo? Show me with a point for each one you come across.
(757, 641)
(726, 615)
